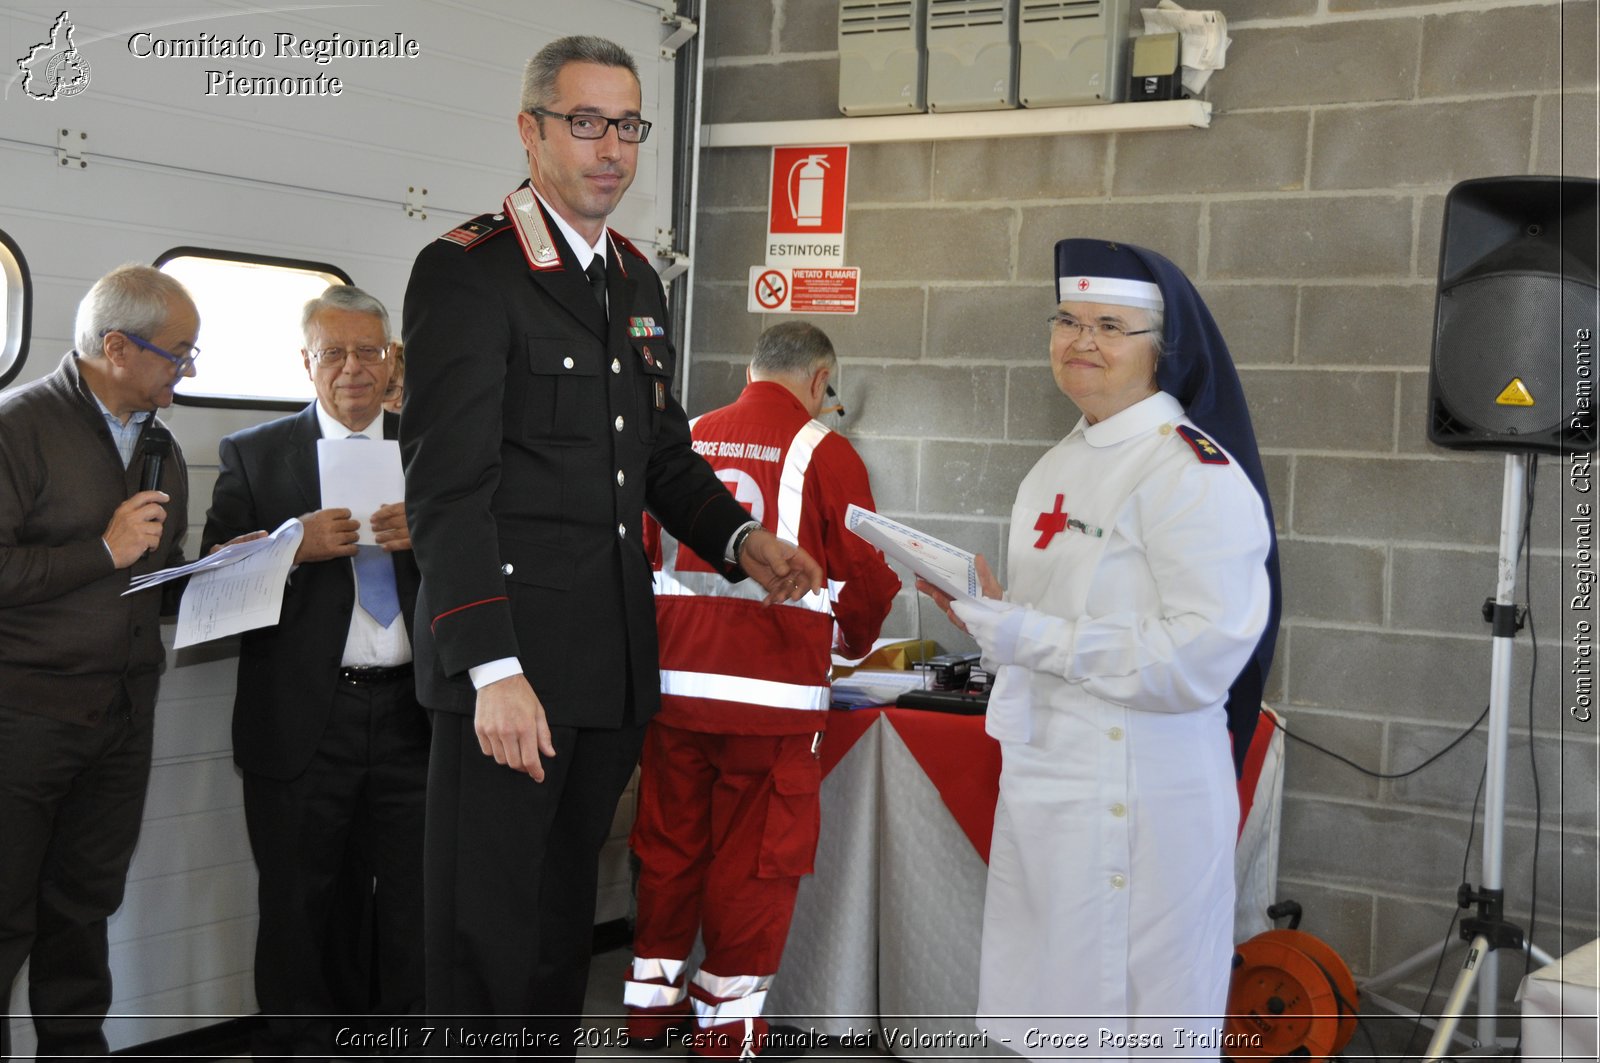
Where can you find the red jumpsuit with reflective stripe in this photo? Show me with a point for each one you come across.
(728, 812)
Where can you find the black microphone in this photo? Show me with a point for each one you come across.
(157, 446)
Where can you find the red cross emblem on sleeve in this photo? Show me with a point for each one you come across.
(1049, 525)
(1083, 284)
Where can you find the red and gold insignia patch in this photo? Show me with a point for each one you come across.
(1208, 452)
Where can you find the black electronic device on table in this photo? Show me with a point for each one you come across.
(960, 702)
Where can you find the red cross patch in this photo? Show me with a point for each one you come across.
(1049, 525)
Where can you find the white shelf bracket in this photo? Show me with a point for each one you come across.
(684, 29)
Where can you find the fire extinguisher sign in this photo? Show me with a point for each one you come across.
(805, 217)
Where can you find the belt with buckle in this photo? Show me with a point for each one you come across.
(365, 677)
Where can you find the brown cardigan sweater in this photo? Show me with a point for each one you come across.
(68, 639)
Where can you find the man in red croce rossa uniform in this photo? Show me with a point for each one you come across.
(728, 809)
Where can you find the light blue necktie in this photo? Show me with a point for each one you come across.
(375, 586)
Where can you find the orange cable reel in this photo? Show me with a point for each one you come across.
(1291, 996)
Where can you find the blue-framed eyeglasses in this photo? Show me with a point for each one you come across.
(183, 362)
(594, 126)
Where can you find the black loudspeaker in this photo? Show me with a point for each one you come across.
(1515, 318)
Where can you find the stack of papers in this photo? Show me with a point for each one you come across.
(237, 588)
(863, 688)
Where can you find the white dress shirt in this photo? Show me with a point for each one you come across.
(369, 644)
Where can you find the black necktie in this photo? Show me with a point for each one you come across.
(597, 280)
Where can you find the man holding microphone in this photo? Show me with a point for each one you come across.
(79, 663)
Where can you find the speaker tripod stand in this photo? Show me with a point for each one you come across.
(1488, 932)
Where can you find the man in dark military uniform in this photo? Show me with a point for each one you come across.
(539, 423)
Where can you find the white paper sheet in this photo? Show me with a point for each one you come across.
(241, 596)
(360, 475)
(950, 568)
(1204, 35)
(228, 555)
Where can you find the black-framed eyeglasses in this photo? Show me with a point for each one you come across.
(1107, 331)
(594, 126)
(182, 361)
(328, 357)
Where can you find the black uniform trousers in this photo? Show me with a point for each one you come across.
(71, 801)
(358, 803)
(497, 841)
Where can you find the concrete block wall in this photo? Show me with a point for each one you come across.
(1309, 214)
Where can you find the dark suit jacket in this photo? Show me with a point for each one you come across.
(288, 673)
(534, 436)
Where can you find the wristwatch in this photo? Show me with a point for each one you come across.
(736, 543)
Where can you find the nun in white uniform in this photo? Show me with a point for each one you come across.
(1134, 638)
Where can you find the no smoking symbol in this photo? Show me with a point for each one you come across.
(771, 289)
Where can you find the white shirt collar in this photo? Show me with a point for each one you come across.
(332, 429)
(1141, 417)
(581, 248)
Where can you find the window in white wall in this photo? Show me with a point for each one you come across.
(249, 325)
(16, 302)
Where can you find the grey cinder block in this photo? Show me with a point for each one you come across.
(1340, 62)
(1259, 152)
(1011, 168)
(1330, 237)
(1398, 145)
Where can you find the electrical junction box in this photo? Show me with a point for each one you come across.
(1071, 52)
(1153, 73)
(972, 55)
(882, 61)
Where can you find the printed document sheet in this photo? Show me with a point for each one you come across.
(950, 568)
(242, 595)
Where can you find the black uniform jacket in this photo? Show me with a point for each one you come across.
(534, 435)
(288, 673)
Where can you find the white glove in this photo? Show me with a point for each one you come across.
(996, 626)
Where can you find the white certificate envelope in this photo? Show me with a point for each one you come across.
(950, 568)
(360, 475)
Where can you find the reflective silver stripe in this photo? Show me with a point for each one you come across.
(738, 1008)
(650, 994)
(744, 690)
(648, 967)
(732, 985)
(792, 484)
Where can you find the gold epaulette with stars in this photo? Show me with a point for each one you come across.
(1208, 452)
(470, 234)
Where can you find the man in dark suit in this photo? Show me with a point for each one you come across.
(539, 424)
(326, 725)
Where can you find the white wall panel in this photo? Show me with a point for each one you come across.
(182, 901)
(323, 179)
(182, 787)
(212, 838)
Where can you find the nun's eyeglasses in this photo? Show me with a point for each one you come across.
(1104, 331)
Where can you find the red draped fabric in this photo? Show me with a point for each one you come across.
(963, 762)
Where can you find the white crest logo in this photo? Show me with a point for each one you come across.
(55, 68)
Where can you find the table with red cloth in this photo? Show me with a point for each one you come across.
(886, 932)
